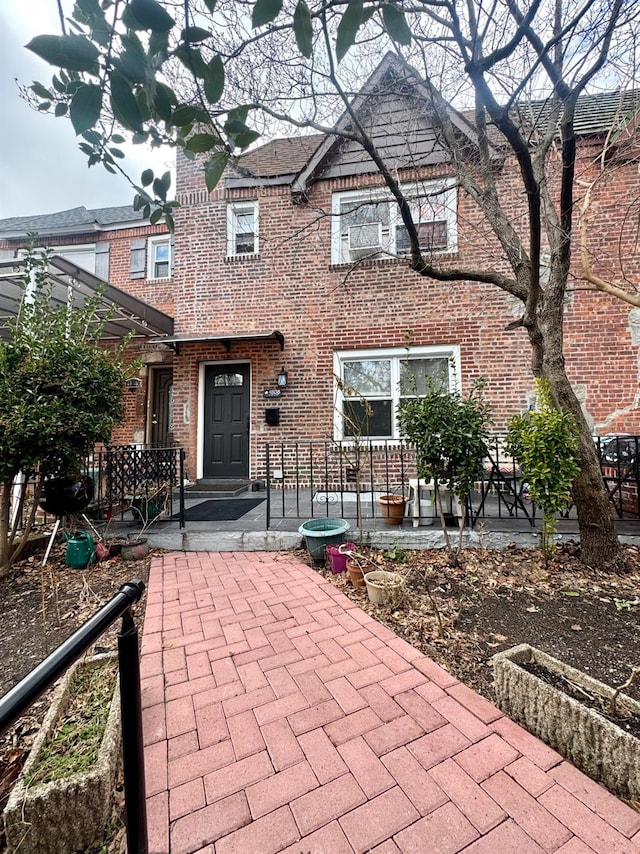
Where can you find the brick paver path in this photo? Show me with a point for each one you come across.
(279, 717)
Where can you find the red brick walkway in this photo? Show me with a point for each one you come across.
(278, 716)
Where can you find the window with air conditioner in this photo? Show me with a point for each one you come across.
(366, 224)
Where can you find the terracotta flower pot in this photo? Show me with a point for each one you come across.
(392, 508)
(356, 573)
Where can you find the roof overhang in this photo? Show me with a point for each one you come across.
(224, 338)
(71, 284)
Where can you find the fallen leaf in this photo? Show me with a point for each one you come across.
(532, 609)
(570, 592)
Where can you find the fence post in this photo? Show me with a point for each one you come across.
(132, 743)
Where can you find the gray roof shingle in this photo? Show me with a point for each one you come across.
(73, 220)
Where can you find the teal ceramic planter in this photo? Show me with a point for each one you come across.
(319, 533)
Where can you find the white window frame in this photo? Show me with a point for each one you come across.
(152, 244)
(396, 355)
(235, 209)
(444, 190)
(73, 252)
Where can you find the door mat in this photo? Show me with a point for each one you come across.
(219, 509)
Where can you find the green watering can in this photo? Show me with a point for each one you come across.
(80, 550)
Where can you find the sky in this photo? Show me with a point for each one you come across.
(41, 168)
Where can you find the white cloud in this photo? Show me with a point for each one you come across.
(41, 168)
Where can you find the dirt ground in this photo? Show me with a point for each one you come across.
(493, 600)
(40, 609)
(487, 602)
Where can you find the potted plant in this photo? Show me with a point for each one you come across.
(150, 502)
(357, 566)
(338, 556)
(448, 432)
(392, 508)
(319, 533)
(385, 587)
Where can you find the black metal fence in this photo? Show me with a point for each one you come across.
(120, 477)
(325, 478)
(21, 697)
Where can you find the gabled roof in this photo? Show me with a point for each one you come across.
(390, 68)
(276, 162)
(73, 221)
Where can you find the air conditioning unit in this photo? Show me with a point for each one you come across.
(367, 236)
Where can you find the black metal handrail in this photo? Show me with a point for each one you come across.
(22, 696)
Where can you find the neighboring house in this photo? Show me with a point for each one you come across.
(112, 245)
(296, 265)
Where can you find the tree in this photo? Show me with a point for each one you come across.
(60, 394)
(449, 432)
(544, 441)
(201, 75)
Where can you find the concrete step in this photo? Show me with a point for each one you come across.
(217, 488)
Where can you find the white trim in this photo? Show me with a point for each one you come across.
(451, 352)
(233, 209)
(418, 189)
(152, 242)
(200, 426)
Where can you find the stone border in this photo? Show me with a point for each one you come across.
(65, 816)
(596, 746)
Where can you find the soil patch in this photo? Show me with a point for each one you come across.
(492, 600)
(40, 609)
(629, 722)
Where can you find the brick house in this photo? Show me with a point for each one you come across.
(294, 270)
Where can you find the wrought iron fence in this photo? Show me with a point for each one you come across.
(326, 478)
(119, 475)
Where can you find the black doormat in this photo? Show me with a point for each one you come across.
(219, 509)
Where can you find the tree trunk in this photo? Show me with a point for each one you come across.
(5, 493)
(599, 543)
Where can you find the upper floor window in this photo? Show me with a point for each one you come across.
(242, 228)
(152, 257)
(374, 382)
(159, 257)
(367, 223)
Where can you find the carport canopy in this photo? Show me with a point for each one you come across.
(74, 285)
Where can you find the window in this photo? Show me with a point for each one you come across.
(367, 223)
(373, 382)
(242, 228)
(151, 258)
(159, 257)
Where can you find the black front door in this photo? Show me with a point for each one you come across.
(226, 421)
(161, 407)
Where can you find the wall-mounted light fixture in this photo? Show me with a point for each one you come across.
(283, 379)
(133, 384)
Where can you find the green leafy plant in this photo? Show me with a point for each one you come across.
(545, 441)
(448, 432)
(60, 394)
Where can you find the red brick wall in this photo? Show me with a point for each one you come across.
(292, 287)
